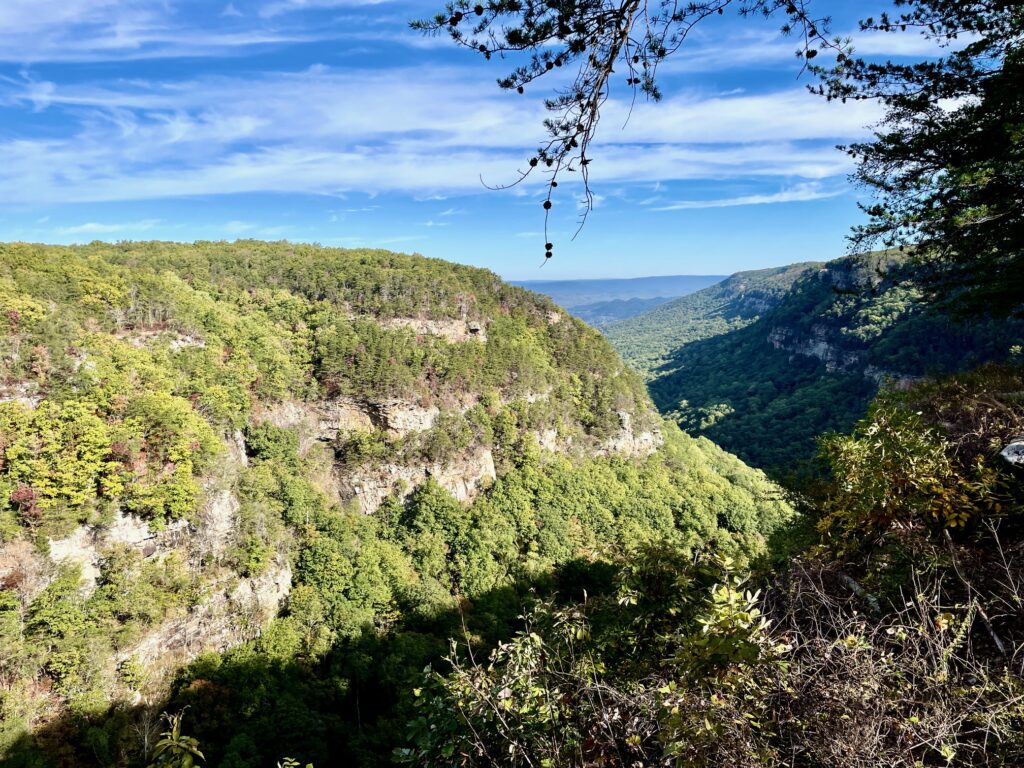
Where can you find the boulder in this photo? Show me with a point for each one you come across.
(1014, 452)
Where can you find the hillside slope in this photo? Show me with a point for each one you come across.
(763, 373)
(259, 467)
(646, 341)
(603, 301)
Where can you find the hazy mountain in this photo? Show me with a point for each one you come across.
(646, 339)
(603, 301)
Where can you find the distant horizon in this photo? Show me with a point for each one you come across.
(631, 277)
(514, 280)
(333, 122)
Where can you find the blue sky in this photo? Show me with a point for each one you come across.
(330, 121)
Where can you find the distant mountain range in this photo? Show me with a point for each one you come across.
(600, 302)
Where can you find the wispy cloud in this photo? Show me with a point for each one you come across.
(799, 193)
(706, 51)
(430, 132)
(236, 227)
(33, 31)
(285, 6)
(100, 228)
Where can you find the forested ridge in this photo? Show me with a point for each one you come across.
(767, 361)
(648, 340)
(274, 505)
(189, 436)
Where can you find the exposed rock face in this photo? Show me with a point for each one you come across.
(464, 479)
(80, 548)
(231, 615)
(341, 414)
(218, 521)
(86, 544)
(131, 530)
(24, 393)
(236, 448)
(548, 440)
(400, 417)
(837, 360)
(233, 612)
(177, 341)
(288, 414)
(325, 419)
(895, 380)
(1014, 452)
(628, 443)
(319, 420)
(816, 345)
(451, 330)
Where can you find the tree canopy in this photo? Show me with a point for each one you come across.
(946, 164)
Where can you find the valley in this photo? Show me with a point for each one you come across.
(297, 456)
(276, 493)
(228, 470)
(765, 362)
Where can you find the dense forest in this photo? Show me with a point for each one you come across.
(156, 508)
(767, 361)
(188, 573)
(266, 505)
(648, 340)
(887, 633)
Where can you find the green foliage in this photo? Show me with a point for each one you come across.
(648, 340)
(545, 696)
(765, 362)
(900, 469)
(193, 386)
(58, 612)
(945, 163)
(174, 749)
(682, 663)
(56, 462)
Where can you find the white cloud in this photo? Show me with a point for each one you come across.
(445, 106)
(908, 43)
(36, 16)
(285, 6)
(100, 30)
(98, 228)
(426, 131)
(766, 48)
(236, 227)
(799, 193)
